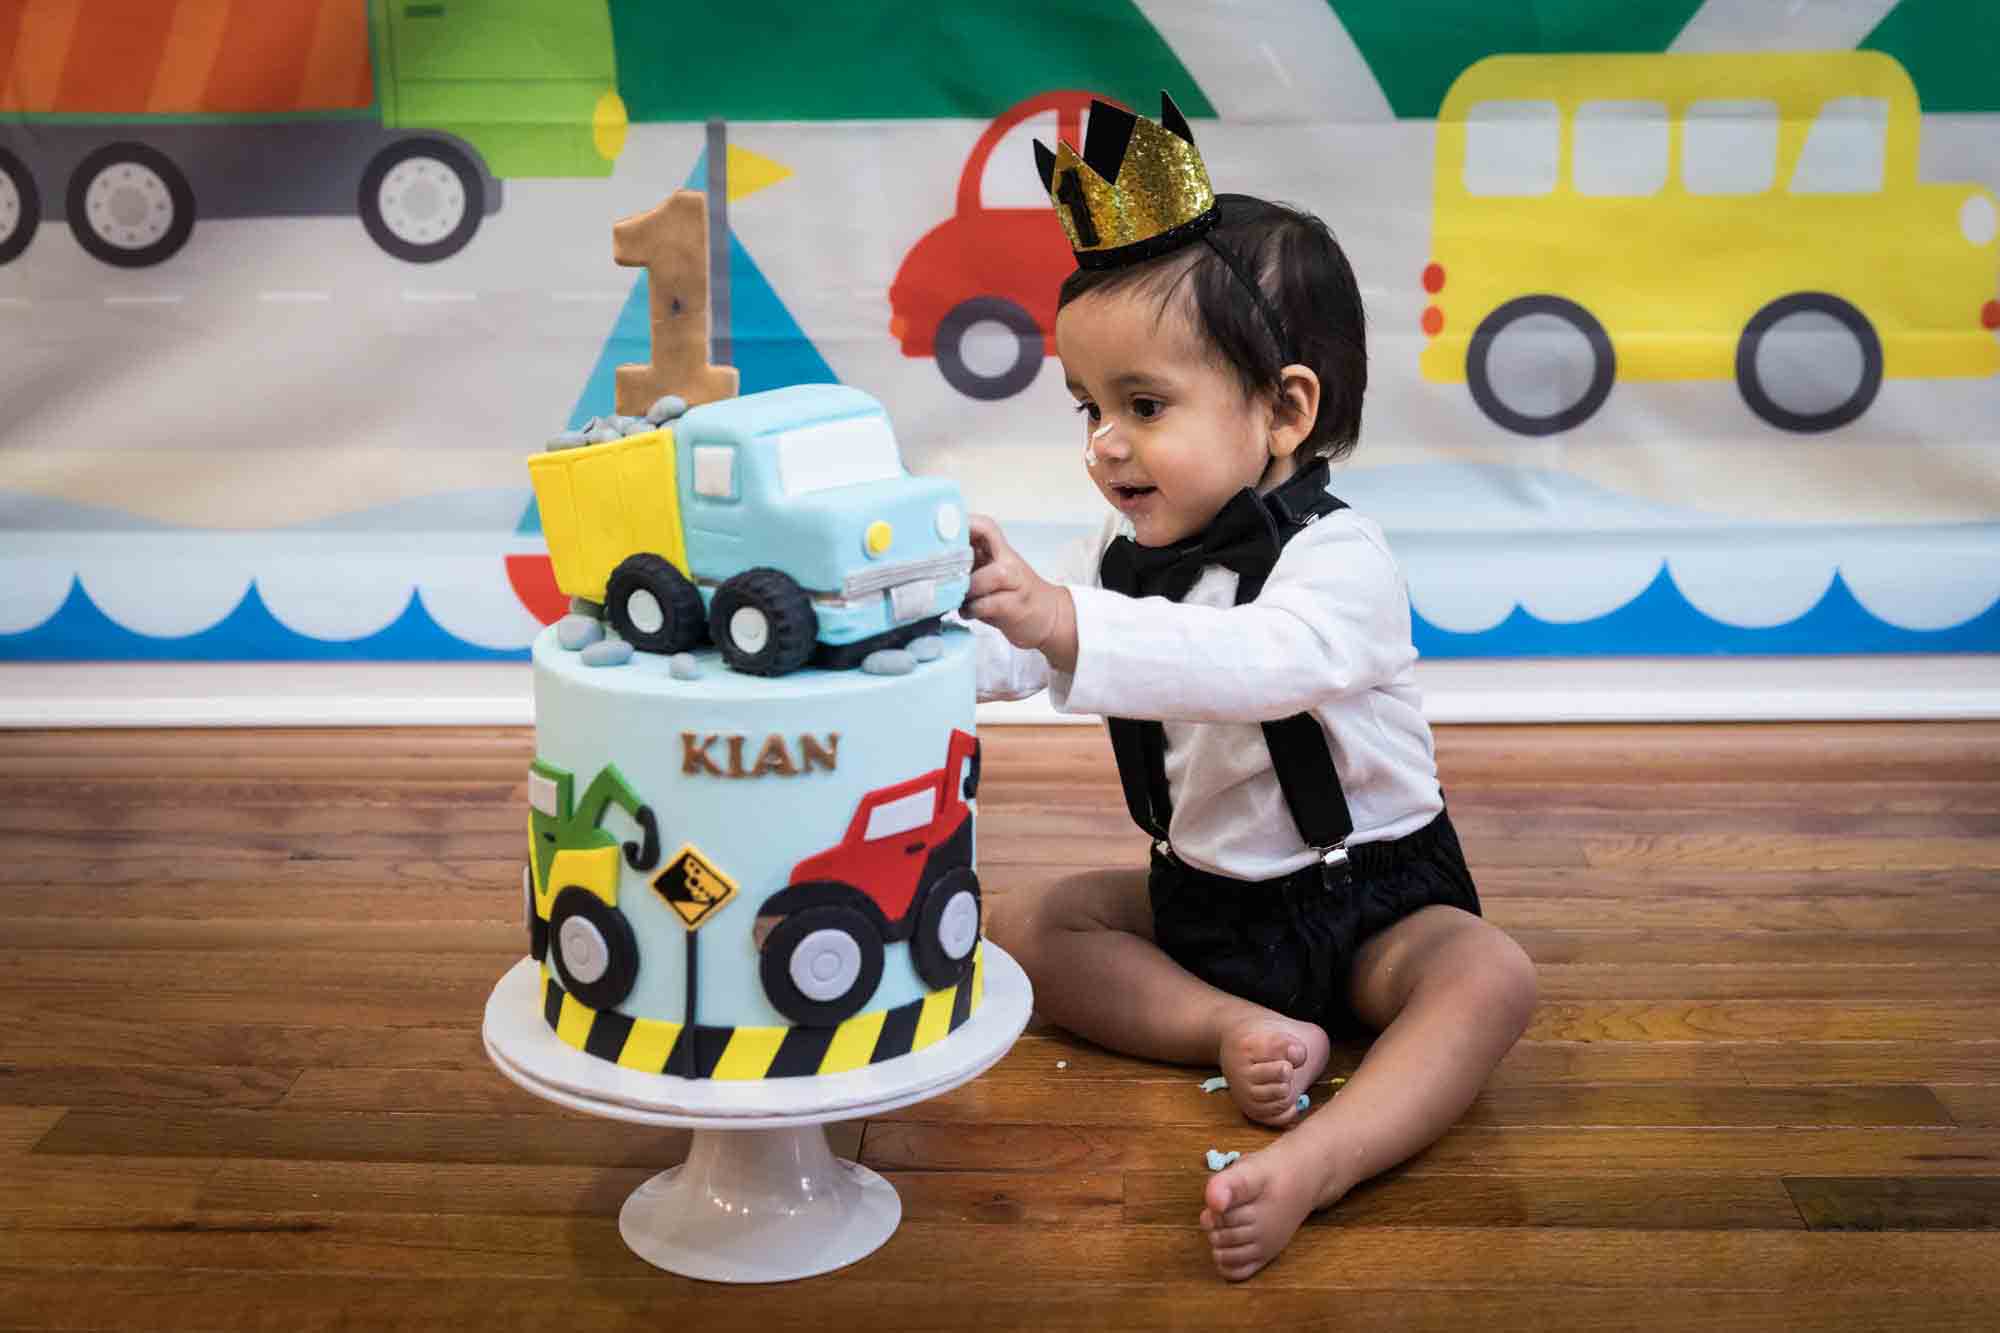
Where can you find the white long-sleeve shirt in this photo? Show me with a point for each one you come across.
(1329, 634)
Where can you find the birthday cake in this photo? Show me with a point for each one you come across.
(751, 818)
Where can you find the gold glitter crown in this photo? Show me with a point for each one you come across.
(1137, 190)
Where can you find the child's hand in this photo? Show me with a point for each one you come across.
(1010, 596)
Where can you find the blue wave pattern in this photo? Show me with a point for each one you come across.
(79, 632)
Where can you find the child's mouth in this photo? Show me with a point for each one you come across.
(1127, 497)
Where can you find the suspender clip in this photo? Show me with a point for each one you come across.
(1333, 865)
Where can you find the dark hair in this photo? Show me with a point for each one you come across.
(1306, 279)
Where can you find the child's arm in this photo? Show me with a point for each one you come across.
(1006, 593)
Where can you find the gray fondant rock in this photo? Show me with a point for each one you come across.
(603, 434)
(682, 666)
(666, 409)
(577, 633)
(927, 649)
(607, 652)
(569, 439)
(640, 426)
(889, 662)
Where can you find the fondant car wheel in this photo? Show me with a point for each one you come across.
(947, 929)
(421, 200)
(538, 929)
(1540, 365)
(20, 206)
(595, 953)
(652, 605)
(1809, 362)
(763, 622)
(130, 206)
(988, 348)
(821, 964)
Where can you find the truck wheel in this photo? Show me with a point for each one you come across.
(988, 348)
(421, 200)
(820, 965)
(20, 206)
(947, 929)
(596, 955)
(1809, 362)
(763, 623)
(538, 929)
(653, 605)
(1540, 365)
(130, 206)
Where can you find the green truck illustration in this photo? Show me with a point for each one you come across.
(130, 119)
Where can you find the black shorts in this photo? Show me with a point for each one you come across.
(1289, 944)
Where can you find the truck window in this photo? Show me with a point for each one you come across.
(901, 815)
(1511, 148)
(1844, 148)
(1621, 148)
(1730, 146)
(1004, 182)
(837, 453)
(542, 794)
(715, 471)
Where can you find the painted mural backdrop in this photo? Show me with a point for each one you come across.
(1683, 315)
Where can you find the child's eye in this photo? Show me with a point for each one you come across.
(1147, 408)
(1089, 409)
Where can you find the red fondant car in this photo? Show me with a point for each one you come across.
(902, 872)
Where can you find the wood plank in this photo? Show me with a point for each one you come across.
(139, 1085)
(1978, 1105)
(1937, 1062)
(332, 1044)
(1902, 1203)
(1756, 1020)
(21, 1127)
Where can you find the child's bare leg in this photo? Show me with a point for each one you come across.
(1450, 994)
(1086, 942)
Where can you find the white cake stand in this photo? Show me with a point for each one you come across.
(761, 1197)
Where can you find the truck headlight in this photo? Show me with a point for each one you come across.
(949, 521)
(1977, 221)
(876, 540)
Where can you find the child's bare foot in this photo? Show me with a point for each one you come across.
(1256, 1205)
(1269, 1060)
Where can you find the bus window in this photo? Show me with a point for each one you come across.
(1003, 184)
(1511, 148)
(1844, 148)
(1621, 148)
(1730, 147)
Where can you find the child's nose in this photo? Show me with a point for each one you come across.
(1107, 441)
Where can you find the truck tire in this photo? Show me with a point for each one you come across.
(20, 206)
(652, 605)
(595, 953)
(130, 206)
(947, 929)
(763, 622)
(421, 200)
(820, 965)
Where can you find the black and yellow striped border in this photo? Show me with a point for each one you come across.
(654, 1046)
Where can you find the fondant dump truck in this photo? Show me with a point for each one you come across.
(780, 525)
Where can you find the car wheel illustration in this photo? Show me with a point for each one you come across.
(821, 964)
(947, 929)
(988, 348)
(421, 200)
(653, 606)
(1540, 365)
(1809, 362)
(130, 206)
(538, 929)
(20, 206)
(763, 623)
(595, 953)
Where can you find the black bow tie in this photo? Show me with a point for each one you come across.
(1243, 537)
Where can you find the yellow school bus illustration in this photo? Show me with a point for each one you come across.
(1679, 217)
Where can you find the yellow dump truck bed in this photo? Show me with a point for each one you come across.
(602, 502)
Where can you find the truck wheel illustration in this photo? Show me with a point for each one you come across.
(763, 623)
(20, 206)
(1809, 362)
(421, 200)
(595, 953)
(538, 929)
(1540, 365)
(947, 929)
(129, 205)
(821, 964)
(653, 605)
(983, 362)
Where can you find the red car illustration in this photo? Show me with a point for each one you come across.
(902, 872)
(989, 275)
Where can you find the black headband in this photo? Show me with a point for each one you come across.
(1264, 306)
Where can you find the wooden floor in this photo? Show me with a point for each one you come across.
(242, 1085)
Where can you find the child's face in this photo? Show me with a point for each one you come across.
(1185, 438)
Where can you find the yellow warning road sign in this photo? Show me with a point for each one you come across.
(694, 887)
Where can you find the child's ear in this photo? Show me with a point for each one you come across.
(1294, 409)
